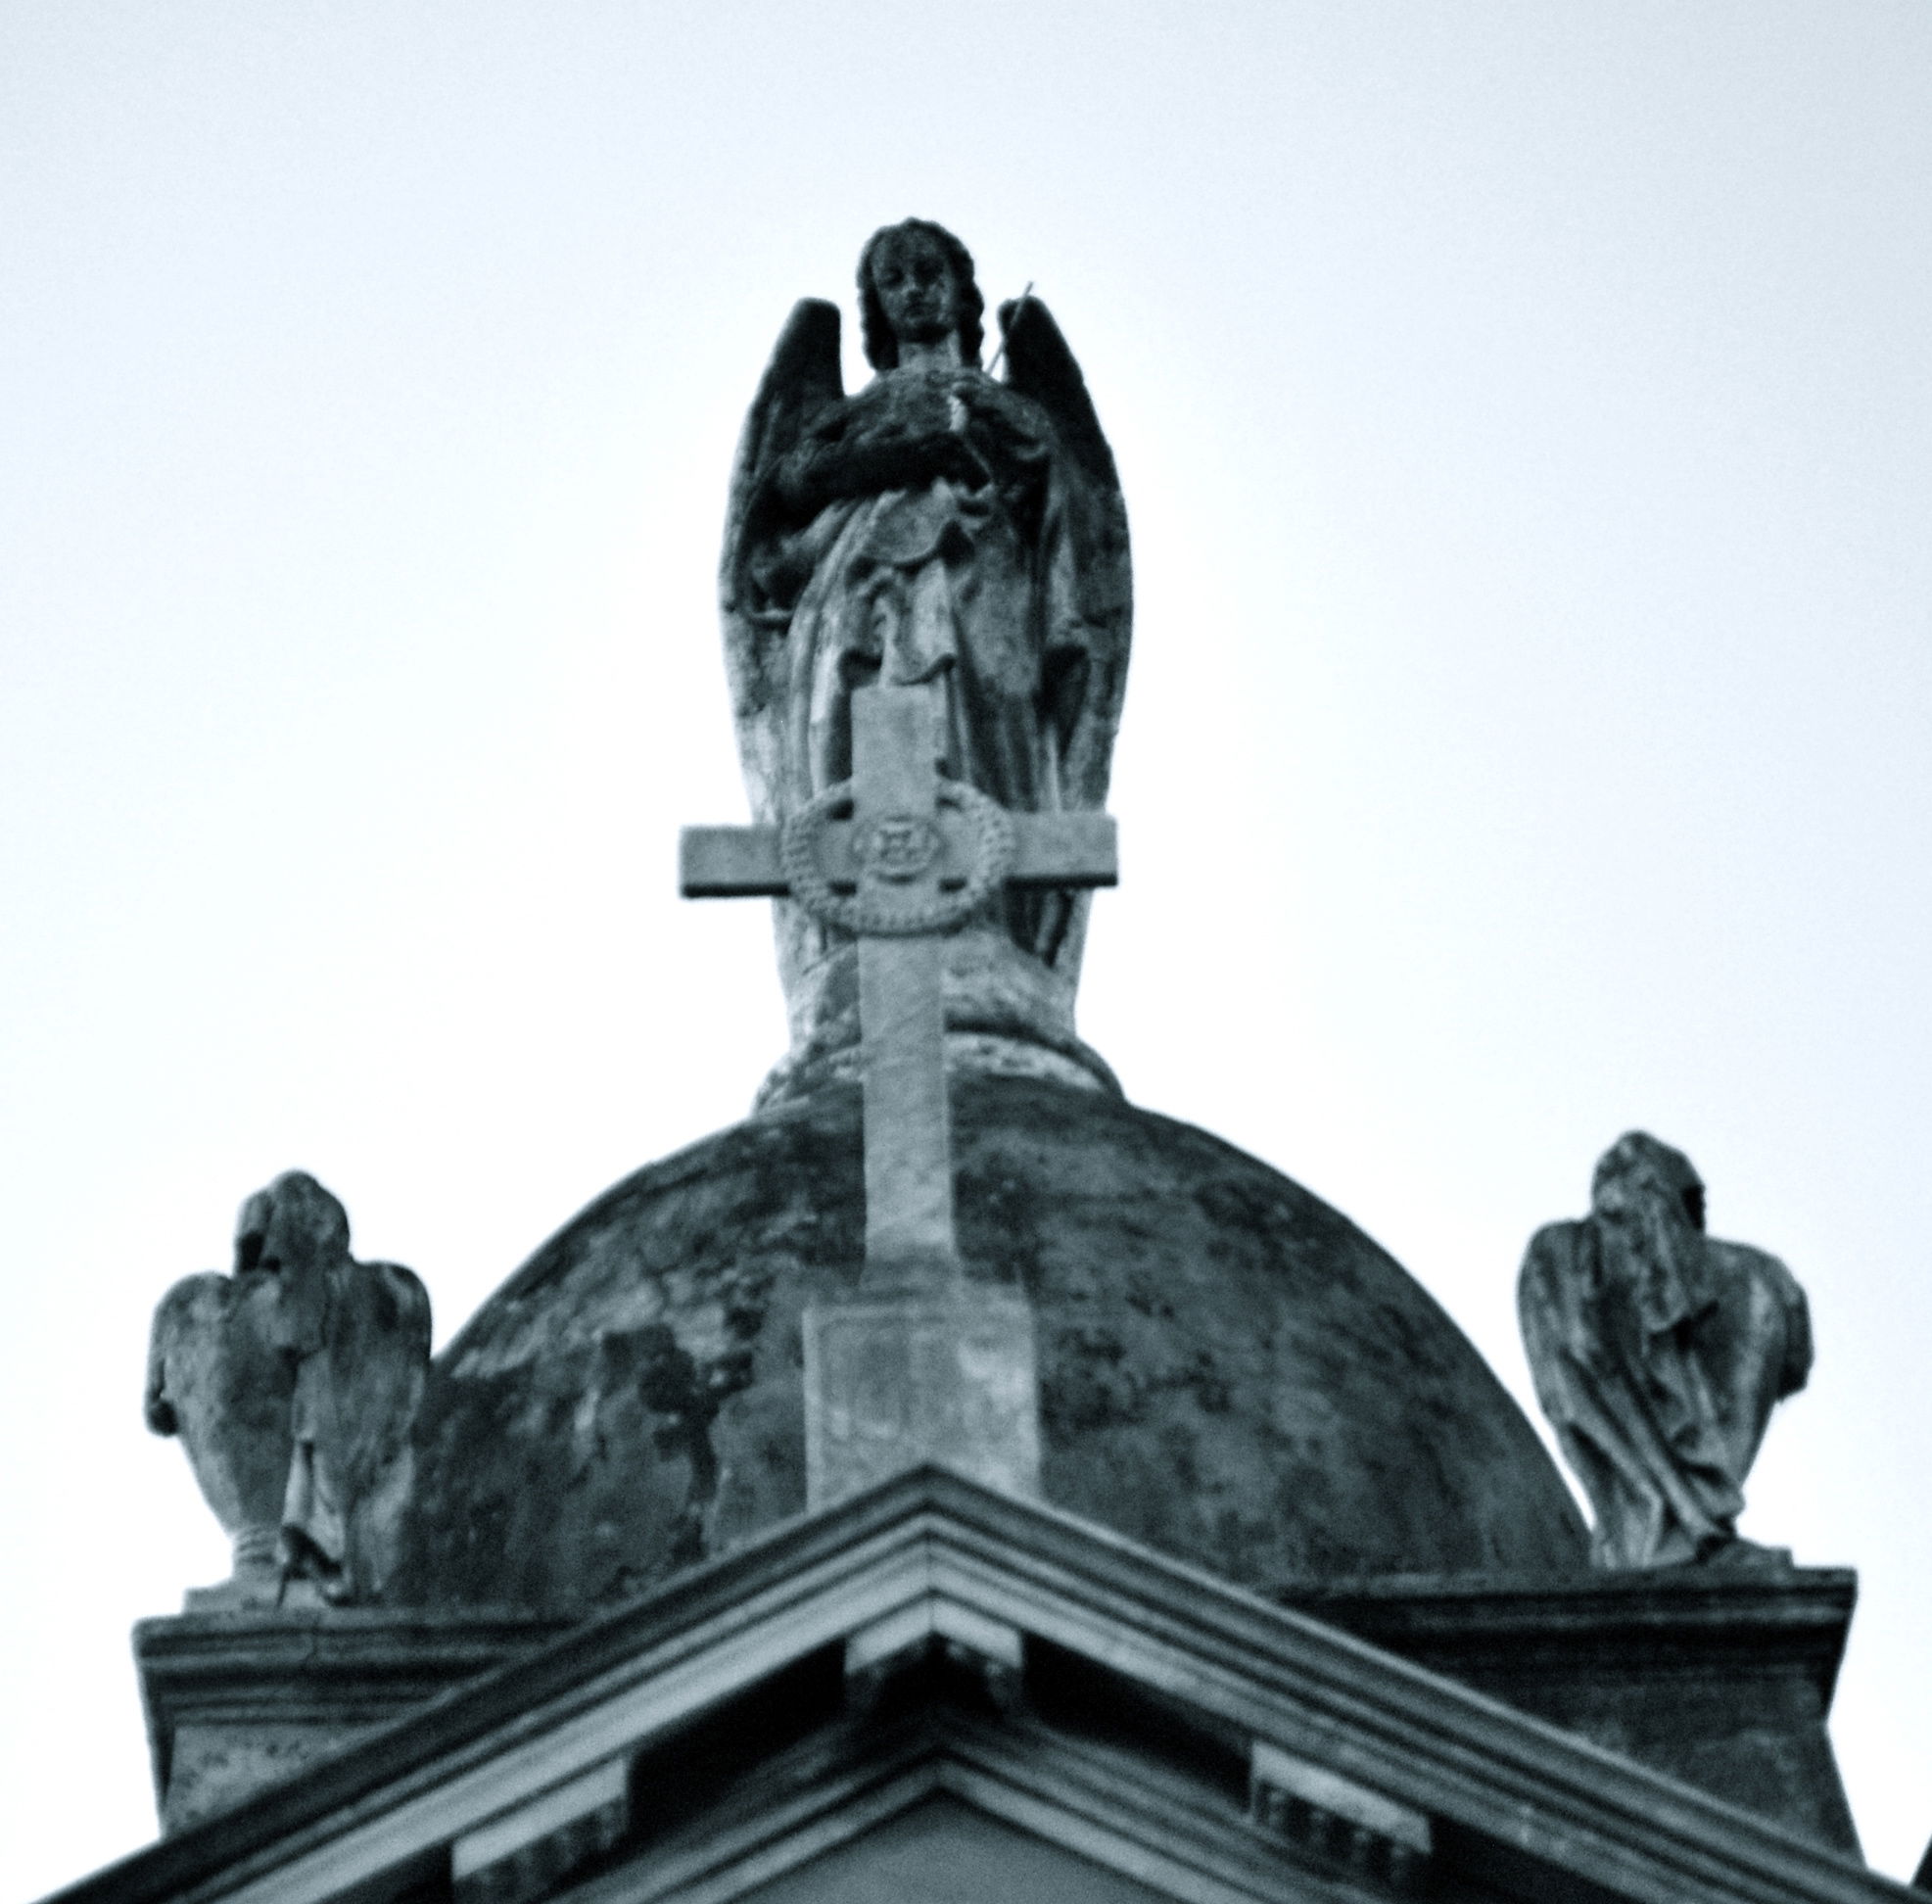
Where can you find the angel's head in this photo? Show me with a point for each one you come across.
(915, 285)
(1638, 1174)
(294, 1226)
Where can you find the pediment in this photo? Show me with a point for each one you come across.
(820, 1771)
(792, 1709)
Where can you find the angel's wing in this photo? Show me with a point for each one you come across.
(801, 380)
(180, 1347)
(1040, 366)
(377, 1359)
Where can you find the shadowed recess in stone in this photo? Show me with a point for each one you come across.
(1229, 1368)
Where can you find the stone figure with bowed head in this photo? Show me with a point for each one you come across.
(1658, 1354)
(941, 525)
(293, 1384)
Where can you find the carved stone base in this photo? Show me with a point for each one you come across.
(266, 1593)
(1007, 1015)
(891, 1382)
(968, 1054)
(241, 1700)
(257, 1580)
(1720, 1675)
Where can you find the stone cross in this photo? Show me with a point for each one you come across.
(918, 854)
(923, 1366)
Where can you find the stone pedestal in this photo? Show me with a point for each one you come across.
(894, 1380)
(238, 1702)
(1721, 1677)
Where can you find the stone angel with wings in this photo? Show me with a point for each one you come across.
(941, 524)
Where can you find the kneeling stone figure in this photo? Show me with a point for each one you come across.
(1658, 1354)
(293, 1384)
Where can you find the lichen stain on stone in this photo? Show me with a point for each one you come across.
(1144, 1297)
(531, 1330)
(1084, 1387)
(999, 1223)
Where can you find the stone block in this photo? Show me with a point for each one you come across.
(1719, 1677)
(239, 1701)
(895, 1381)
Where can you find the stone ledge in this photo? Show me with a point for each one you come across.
(1515, 1806)
(1720, 1676)
(1721, 1679)
(239, 1700)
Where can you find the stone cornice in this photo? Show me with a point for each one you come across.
(931, 1540)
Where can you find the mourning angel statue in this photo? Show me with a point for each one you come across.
(941, 524)
(294, 1383)
(1658, 1354)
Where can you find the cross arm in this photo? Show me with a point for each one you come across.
(1056, 850)
(1051, 850)
(730, 863)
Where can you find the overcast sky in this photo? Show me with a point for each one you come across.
(1525, 422)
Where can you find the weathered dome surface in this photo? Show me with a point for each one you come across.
(1230, 1370)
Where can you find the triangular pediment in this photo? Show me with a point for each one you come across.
(932, 1645)
(1128, 1795)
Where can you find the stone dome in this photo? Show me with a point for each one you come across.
(1230, 1370)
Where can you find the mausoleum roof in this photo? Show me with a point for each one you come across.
(932, 1642)
(1229, 1368)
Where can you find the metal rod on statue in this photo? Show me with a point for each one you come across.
(1018, 304)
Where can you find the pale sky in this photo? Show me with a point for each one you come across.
(1525, 422)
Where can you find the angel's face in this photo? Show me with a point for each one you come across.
(917, 288)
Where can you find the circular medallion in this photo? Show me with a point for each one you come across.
(898, 849)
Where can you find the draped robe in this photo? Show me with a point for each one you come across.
(1658, 1354)
(1004, 579)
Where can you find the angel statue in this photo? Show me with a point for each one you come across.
(942, 525)
(293, 1384)
(1658, 1354)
